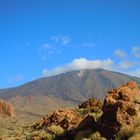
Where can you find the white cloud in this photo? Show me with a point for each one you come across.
(53, 46)
(135, 73)
(57, 44)
(46, 46)
(119, 53)
(125, 64)
(63, 40)
(45, 72)
(77, 64)
(136, 51)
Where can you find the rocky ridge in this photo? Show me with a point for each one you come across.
(121, 108)
(6, 109)
(116, 119)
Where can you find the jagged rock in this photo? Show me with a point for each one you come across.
(87, 125)
(88, 122)
(68, 118)
(93, 102)
(6, 109)
(64, 118)
(121, 107)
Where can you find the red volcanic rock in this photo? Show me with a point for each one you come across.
(64, 118)
(88, 122)
(6, 109)
(121, 107)
(91, 103)
(71, 118)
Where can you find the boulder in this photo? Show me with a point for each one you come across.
(66, 118)
(6, 109)
(93, 102)
(121, 107)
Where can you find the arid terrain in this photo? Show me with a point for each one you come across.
(33, 100)
(117, 117)
(69, 69)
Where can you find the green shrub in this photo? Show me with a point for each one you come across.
(55, 129)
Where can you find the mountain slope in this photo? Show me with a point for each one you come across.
(62, 90)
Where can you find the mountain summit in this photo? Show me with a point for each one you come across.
(63, 90)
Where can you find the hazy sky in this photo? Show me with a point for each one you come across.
(48, 37)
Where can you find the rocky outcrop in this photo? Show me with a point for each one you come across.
(93, 102)
(121, 107)
(88, 122)
(69, 118)
(6, 109)
(87, 125)
(64, 118)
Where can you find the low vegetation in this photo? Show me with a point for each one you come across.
(117, 119)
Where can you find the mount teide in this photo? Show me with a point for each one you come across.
(46, 94)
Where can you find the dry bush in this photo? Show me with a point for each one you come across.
(129, 132)
(125, 133)
(55, 129)
(135, 137)
(97, 136)
(83, 134)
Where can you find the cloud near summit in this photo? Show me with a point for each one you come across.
(119, 53)
(127, 63)
(77, 64)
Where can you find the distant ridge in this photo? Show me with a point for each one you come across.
(63, 90)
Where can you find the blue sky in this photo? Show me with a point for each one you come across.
(48, 37)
